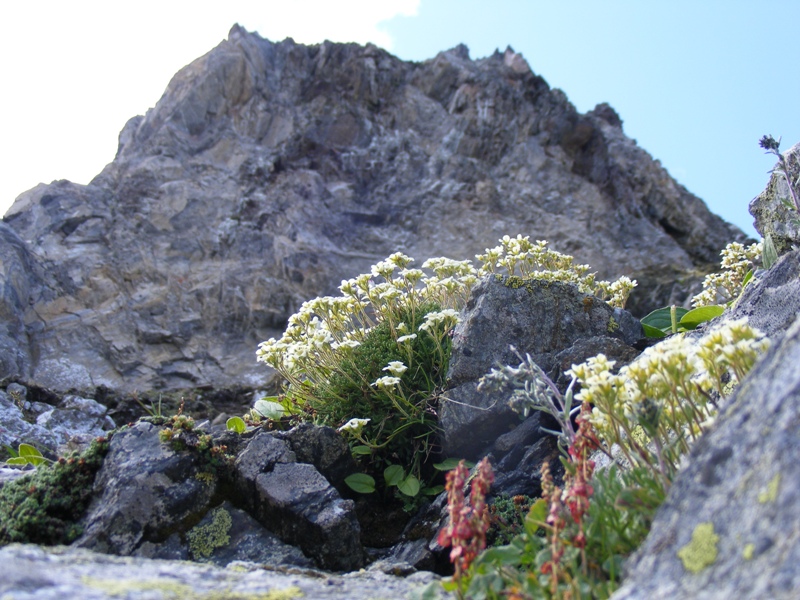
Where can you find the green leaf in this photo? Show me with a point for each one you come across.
(505, 555)
(17, 460)
(393, 475)
(770, 254)
(31, 454)
(537, 515)
(13, 453)
(361, 450)
(236, 424)
(448, 585)
(451, 463)
(268, 409)
(747, 279)
(694, 317)
(652, 332)
(409, 486)
(661, 318)
(361, 483)
(433, 491)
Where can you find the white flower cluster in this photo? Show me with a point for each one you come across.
(669, 387)
(327, 329)
(320, 334)
(737, 261)
(520, 256)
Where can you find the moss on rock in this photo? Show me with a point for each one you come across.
(44, 508)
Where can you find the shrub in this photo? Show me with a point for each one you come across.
(377, 353)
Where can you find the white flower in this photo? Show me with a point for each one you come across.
(406, 338)
(386, 382)
(354, 425)
(395, 367)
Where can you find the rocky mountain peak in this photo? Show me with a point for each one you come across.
(268, 172)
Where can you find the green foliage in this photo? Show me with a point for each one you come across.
(25, 455)
(614, 528)
(675, 319)
(507, 518)
(236, 424)
(769, 256)
(45, 506)
(180, 433)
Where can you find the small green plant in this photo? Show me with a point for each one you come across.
(236, 424)
(507, 518)
(26, 455)
(180, 433)
(675, 319)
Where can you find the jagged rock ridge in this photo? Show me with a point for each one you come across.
(270, 171)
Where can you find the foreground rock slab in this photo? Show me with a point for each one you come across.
(33, 572)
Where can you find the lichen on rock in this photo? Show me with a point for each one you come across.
(701, 551)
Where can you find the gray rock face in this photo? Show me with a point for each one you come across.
(324, 448)
(54, 429)
(551, 321)
(772, 216)
(772, 301)
(268, 172)
(734, 512)
(144, 491)
(296, 502)
(32, 572)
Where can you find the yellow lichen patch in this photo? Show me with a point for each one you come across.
(771, 493)
(123, 587)
(204, 539)
(702, 550)
(612, 325)
(207, 478)
(748, 551)
(170, 590)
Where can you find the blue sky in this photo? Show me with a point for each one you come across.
(697, 83)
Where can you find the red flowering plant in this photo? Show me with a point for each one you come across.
(571, 504)
(466, 530)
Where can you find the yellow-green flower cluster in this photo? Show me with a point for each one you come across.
(519, 256)
(669, 392)
(737, 261)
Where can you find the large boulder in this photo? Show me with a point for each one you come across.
(268, 172)
(505, 319)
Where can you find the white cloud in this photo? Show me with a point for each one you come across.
(74, 71)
